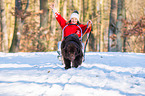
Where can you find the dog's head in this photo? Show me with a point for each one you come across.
(71, 50)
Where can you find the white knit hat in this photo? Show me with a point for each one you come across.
(75, 14)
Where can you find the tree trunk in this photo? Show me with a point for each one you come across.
(65, 9)
(16, 36)
(144, 43)
(112, 26)
(144, 34)
(53, 28)
(83, 10)
(92, 38)
(4, 35)
(42, 42)
(18, 27)
(44, 15)
(124, 38)
(124, 44)
(119, 25)
(102, 28)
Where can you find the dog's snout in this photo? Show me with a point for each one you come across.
(72, 56)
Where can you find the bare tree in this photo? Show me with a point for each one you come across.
(42, 42)
(65, 9)
(19, 21)
(102, 27)
(16, 36)
(119, 25)
(4, 35)
(44, 15)
(112, 26)
(144, 34)
(52, 42)
(92, 38)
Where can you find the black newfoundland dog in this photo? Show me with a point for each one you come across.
(71, 50)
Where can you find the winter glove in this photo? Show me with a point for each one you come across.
(90, 25)
(55, 12)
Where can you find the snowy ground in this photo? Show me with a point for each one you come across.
(102, 74)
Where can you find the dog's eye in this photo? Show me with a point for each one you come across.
(78, 50)
(65, 51)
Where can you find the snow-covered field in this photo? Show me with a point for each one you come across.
(102, 74)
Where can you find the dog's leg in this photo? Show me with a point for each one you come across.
(67, 63)
(77, 62)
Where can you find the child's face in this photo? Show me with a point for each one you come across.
(74, 20)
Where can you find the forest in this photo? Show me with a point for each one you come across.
(30, 25)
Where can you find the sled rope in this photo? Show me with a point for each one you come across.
(88, 26)
(88, 36)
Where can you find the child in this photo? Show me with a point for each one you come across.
(73, 26)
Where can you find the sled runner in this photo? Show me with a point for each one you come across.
(89, 25)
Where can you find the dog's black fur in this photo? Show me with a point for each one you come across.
(72, 51)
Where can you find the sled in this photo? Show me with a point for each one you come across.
(84, 45)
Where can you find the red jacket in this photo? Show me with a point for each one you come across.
(70, 29)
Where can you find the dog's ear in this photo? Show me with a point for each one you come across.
(77, 51)
(62, 44)
(64, 51)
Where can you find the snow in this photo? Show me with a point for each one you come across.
(102, 74)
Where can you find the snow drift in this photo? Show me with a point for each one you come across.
(102, 74)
